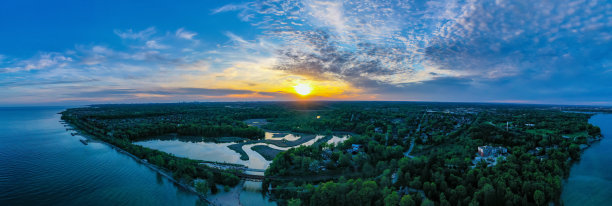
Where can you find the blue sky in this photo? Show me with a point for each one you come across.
(83, 52)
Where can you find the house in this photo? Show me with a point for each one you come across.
(355, 148)
(378, 130)
(530, 125)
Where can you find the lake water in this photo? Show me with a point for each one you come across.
(219, 152)
(42, 164)
(590, 180)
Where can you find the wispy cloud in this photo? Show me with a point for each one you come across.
(41, 61)
(184, 34)
(229, 7)
(130, 34)
(155, 45)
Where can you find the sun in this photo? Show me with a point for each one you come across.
(303, 89)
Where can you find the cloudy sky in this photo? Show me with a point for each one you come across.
(106, 51)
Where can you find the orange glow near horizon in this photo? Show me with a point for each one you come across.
(265, 82)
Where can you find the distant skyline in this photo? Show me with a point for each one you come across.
(94, 52)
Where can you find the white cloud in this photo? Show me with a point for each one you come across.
(184, 34)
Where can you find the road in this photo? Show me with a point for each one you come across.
(407, 153)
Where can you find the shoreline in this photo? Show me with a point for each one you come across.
(594, 140)
(155, 168)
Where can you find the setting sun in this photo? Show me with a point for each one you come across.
(303, 89)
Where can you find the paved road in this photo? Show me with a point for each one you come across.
(407, 153)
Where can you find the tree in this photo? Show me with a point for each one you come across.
(574, 151)
(427, 202)
(443, 201)
(539, 198)
(392, 199)
(407, 201)
(294, 202)
(368, 191)
(368, 170)
(461, 191)
(202, 186)
(489, 194)
(344, 160)
(416, 183)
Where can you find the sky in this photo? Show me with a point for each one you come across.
(72, 52)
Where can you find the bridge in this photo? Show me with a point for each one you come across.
(255, 178)
(222, 166)
(239, 171)
(309, 178)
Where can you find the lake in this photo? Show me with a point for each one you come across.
(43, 164)
(590, 180)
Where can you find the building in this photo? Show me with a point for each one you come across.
(486, 151)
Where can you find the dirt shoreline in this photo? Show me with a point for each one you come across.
(266, 152)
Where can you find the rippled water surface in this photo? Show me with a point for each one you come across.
(590, 180)
(42, 164)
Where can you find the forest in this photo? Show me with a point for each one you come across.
(441, 171)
